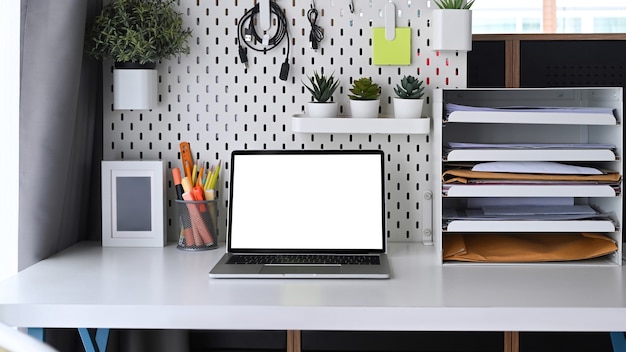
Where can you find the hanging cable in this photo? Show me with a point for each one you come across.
(317, 34)
(247, 34)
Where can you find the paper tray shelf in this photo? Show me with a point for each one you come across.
(531, 118)
(569, 125)
(531, 155)
(530, 226)
(530, 191)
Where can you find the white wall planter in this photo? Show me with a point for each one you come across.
(407, 108)
(328, 109)
(134, 89)
(452, 30)
(364, 108)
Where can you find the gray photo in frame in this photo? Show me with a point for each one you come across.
(133, 204)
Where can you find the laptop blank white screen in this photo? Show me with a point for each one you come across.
(305, 201)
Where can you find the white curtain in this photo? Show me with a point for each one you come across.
(58, 118)
(61, 149)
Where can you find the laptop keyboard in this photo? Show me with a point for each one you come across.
(311, 259)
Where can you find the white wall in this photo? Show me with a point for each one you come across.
(9, 134)
(209, 100)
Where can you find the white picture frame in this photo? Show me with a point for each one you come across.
(133, 204)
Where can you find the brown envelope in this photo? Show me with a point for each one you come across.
(463, 175)
(526, 247)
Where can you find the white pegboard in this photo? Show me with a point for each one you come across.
(210, 100)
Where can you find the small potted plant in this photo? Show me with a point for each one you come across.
(322, 88)
(137, 34)
(365, 98)
(452, 25)
(409, 102)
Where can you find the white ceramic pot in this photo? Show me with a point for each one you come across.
(452, 30)
(407, 108)
(135, 89)
(364, 108)
(328, 109)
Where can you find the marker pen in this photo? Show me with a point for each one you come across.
(177, 183)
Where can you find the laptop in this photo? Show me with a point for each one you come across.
(305, 214)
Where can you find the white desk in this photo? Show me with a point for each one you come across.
(164, 288)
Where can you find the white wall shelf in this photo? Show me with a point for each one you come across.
(346, 124)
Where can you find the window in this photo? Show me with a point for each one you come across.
(548, 16)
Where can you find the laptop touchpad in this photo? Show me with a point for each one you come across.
(279, 269)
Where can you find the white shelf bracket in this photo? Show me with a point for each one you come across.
(427, 218)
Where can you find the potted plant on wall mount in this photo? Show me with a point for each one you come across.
(452, 25)
(137, 34)
(322, 88)
(365, 98)
(409, 102)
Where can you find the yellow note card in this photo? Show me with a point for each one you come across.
(392, 52)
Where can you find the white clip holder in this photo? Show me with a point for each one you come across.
(264, 15)
(390, 21)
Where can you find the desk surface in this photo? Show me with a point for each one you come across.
(165, 288)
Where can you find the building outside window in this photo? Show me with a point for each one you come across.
(548, 16)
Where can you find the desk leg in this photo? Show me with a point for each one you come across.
(294, 342)
(94, 341)
(511, 341)
(618, 339)
(37, 333)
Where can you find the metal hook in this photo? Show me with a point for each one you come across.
(351, 6)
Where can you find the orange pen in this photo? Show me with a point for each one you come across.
(200, 175)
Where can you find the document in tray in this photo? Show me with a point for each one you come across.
(535, 167)
(528, 210)
(526, 247)
(482, 202)
(450, 107)
(463, 175)
(461, 145)
(536, 213)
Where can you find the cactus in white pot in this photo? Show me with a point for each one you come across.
(322, 88)
(365, 98)
(409, 102)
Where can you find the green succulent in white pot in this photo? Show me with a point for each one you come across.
(136, 35)
(408, 102)
(322, 88)
(452, 25)
(454, 4)
(364, 98)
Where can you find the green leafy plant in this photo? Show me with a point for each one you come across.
(137, 31)
(454, 4)
(322, 87)
(409, 88)
(364, 89)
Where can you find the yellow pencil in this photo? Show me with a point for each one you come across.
(216, 174)
(193, 174)
(209, 175)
